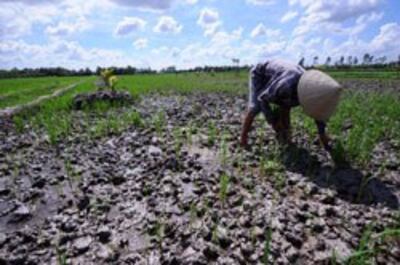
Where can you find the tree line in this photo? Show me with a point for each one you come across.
(60, 71)
(345, 62)
(367, 61)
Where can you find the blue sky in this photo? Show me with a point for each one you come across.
(188, 33)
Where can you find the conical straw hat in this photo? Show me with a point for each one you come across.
(318, 94)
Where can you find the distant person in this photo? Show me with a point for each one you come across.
(289, 85)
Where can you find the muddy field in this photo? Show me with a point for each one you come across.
(183, 192)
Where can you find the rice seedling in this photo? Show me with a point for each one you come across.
(365, 250)
(159, 121)
(224, 183)
(364, 182)
(178, 140)
(61, 257)
(135, 119)
(267, 246)
(333, 258)
(274, 170)
(224, 149)
(212, 133)
(19, 123)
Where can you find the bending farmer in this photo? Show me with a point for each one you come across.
(289, 85)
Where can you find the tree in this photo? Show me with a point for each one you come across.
(366, 59)
(328, 61)
(302, 61)
(355, 60)
(315, 62)
(341, 61)
(350, 60)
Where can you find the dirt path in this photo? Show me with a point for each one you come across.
(11, 111)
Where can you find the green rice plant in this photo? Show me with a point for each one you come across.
(19, 123)
(364, 182)
(364, 252)
(69, 171)
(61, 257)
(224, 182)
(100, 129)
(193, 212)
(136, 119)
(333, 258)
(274, 170)
(212, 133)
(224, 149)
(178, 140)
(214, 233)
(191, 130)
(159, 121)
(114, 125)
(267, 245)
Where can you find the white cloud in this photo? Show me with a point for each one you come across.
(191, 2)
(387, 40)
(28, 2)
(63, 28)
(17, 19)
(321, 15)
(140, 43)
(167, 24)
(261, 30)
(261, 2)
(56, 53)
(145, 4)
(209, 20)
(290, 15)
(129, 25)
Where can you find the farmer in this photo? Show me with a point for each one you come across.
(289, 85)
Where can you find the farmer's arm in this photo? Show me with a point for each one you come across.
(248, 121)
(263, 107)
(323, 137)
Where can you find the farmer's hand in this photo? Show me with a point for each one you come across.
(243, 141)
(325, 140)
(277, 125)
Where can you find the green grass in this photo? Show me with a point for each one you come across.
(184, 83)
(374, 117)
(366, 74)
(23, 90)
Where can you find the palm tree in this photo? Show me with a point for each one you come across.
(328, 61)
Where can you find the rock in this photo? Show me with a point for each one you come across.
(246, 249)
(118, 180)
(4, 191)
(20, 214)
(83, 203)
(318, 225)
(104, 234)
(222, 237)
(104, 253)
(3, 239)
(294, 239)
(292, 255)
(211, 252)
(39, 182)
(81, 245)
(155, 151)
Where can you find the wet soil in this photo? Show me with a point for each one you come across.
(146, 196)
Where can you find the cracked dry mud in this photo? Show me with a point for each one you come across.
(135, 198)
